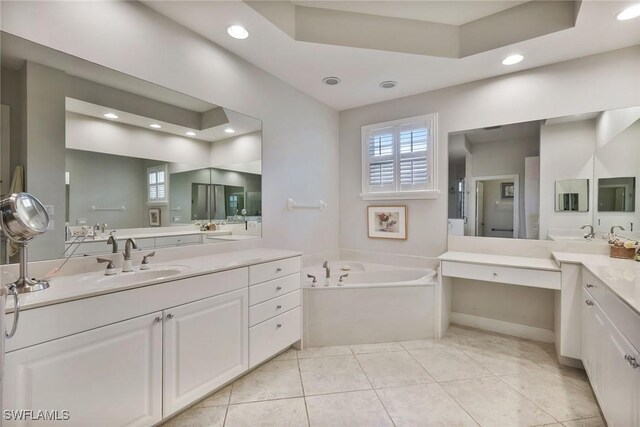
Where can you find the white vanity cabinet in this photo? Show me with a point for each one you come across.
(205, 344)
(274, 298)
(612, 361)
(109, 376)
(138, 356)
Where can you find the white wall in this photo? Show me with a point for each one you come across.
(566, 152)
(299, 133)
(593, 83)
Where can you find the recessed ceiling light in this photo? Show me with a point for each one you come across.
(389, 84)
(512, 59)
(629, 13)
(237, 32)
(229, 130)
(111, 116)
(190, 133)
(331, 81)
(155, 126)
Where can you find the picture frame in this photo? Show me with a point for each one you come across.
(387, 222)
(154, 217)
(507, 190)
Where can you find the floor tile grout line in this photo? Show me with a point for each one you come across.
(374, 391)
(304, 394)
(527, 399)
(460, 404)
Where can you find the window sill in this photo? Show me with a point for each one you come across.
(402, 195)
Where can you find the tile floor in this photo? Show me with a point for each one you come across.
(468, 378)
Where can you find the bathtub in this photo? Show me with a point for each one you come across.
(373, 303)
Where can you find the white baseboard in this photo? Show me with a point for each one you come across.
(507, 328)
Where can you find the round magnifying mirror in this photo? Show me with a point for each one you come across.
(23, 217)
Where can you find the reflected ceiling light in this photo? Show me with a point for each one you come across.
(512, 59)
(229, 130)
(629, 13)
(331, 81)
(155, 126)
(111, 116)
(237, 32)
(389, 84)
(190, 133)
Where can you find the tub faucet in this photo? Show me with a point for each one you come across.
(591, 234)
(325, 265)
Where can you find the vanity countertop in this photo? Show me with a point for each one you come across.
(500, 260)
(80, 286)
(622, 276)
(145, 235)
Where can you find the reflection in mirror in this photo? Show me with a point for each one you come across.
(616, 194)
(111, 155)
(572, 195)
(552, 163)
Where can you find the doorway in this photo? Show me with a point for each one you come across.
(496, 206)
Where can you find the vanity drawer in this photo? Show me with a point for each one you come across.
(268, 309)
(272, 270)
(623, 317)
(594, 286)
(274, 288)
(492, 273)
(188, 239)
(274, 335)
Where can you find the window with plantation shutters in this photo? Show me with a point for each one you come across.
(157, 191)
(398, 159)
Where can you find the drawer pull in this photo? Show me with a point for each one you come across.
(632, 361)
(589, 285)
(279, 288)
(170, 316)
(158, 319)
(495, 274)
(279, 325)
(278, 270)
(588, 302)
(278, 307)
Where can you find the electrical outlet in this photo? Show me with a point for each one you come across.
(50, 226)
(49, 209)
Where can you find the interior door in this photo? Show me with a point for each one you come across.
(205, 344)
(480, 208)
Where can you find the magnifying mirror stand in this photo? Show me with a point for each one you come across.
(24, 284)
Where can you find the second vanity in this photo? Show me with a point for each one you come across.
(138, 351)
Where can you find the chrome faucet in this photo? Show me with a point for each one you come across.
(612, 232)
(591, 234)
(325, 265)
(130, 243)
(114, 244)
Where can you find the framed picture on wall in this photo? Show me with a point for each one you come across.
(154, 217)
(508, 189)
(387, 222)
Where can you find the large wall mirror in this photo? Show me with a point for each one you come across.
(111, 155)
(546, 179)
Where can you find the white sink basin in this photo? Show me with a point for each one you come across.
(136, 276)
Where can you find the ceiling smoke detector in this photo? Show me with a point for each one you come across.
(331, 81)
(389, 84)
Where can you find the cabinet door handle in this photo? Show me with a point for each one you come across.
(588, 302)
(589, 285)
(278, 307)
(279, 288)
(279, 326)
(278, 270)
(170, 316)
(158, 319)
